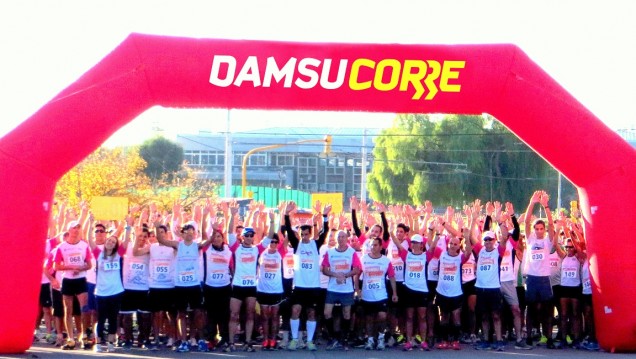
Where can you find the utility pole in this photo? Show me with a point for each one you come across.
(228, 158)
(363, 169)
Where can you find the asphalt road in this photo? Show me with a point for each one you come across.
(42, 350)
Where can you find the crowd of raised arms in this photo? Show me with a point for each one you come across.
(380, 277)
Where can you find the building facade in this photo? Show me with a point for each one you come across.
(303, 167)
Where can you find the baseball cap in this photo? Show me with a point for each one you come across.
(489, 234)
(247, 230)
(72, 224)
(417, 238)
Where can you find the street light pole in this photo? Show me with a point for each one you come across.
(326, 140)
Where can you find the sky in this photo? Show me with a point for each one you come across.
(586, 46)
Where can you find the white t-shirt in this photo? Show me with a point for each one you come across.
(245, 264)
(488, 269)
(218, 266)
(108, 274)
(187, 265)
(468, 269)
(393, 254)
(307, 265)
(536, 261)
(136, 270)
(161, 266)
(450, 283)
(73, 254)
(585, 278)
(375, 270)
(414, 272)
(270, 272)
(570, 272)
(341, 262)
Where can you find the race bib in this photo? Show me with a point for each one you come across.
(373, 284)
(137, 266)
(111, 266)
(75, 259)
(536, 255)
(187, 277)
(248, 280)
(569, 273)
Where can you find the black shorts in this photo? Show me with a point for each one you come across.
(308, 297)
(58, 304)
(269, 298)
(74, 286)
(414, 299)
(288, 286)
(134, 300)
(489, 300)
(468, 288)
(586, 300)
(432, 290)
(449, 304)
(571, 292)
(188, 298)
(45, 295)
(371, 308)
(400, 293)
(216, 298)
(557, 292)
(161, 299)
(242, 293)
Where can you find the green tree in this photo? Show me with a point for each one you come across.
(455, 159)
(163, 156)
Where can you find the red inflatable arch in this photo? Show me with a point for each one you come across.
(145, 71)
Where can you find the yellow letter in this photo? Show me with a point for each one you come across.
(447, 73)
(415, 79)
(395, 75)
(355, 70)
(429, 80)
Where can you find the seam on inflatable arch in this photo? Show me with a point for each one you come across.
(142, 66)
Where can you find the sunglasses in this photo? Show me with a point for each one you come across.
(248, 235)
(273, 242)
(488, 239)
(100, 231)
(569, 247)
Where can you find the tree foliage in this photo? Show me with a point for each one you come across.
(455, 159)
(163, 157)
(105, 172)
(120, 172)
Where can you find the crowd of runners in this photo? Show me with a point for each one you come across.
(380, 277)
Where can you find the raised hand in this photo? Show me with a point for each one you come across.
(317, 206)
(353, 203)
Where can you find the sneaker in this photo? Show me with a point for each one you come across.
(248, 348)
(127, 345)
(455, 345)
(550, 344)
(202, 346)
(229, 348)
(400, 339)
(520, 344)
(391, 342)
(358, 343)
(500, 346)
(543, 340)
(568, 339)
(265, 345)
(592, 345)
(482, 345)
(473, 339)
(424, 346)
(170, 343)
(465, 339)
(111, 347)
(59, 341)
(100, 348)
(418, 338)
(381, 344)
(334, 345)
(408, 346)
(70, 345)
(153, 346)
(301, 343)
(272, 344)
(293, 345)
(311, 346)
(370, 344)
(442, 345)
(183, 347)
